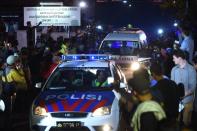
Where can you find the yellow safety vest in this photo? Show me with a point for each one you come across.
(97, 84)
(63, 49)
(18, 77)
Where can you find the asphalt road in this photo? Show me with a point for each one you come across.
(14, 122)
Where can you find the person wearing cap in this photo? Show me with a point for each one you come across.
(148, 112)
(14, 72)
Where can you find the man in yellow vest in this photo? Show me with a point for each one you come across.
(14, 74)
(64, 47)
(101, 80)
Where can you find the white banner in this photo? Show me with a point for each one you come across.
(56, 16)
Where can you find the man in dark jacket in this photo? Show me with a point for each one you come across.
(168, 91)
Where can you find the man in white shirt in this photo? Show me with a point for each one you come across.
(184, 73)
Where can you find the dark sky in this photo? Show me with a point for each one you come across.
(145, 15)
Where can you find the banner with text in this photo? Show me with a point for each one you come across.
(56, 16)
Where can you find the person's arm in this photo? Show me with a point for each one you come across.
(125, 98)
(37, 25)
(172, 74)
(148, 122)
(192, 82)
(185, 45)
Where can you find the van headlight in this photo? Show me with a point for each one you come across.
(135, 66)
(142, 37)
(102, 111)
(40, 111)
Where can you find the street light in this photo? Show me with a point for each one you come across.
(99, 27)
(160, 31)
(175, 24)
(82, 4)
(124, 1)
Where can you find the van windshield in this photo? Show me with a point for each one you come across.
(115, 47)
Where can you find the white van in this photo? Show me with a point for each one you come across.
(125, 47)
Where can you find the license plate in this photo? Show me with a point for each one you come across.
(69, 124)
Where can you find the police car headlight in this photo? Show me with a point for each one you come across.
(102, 111)
(135, 66)
(40, 111)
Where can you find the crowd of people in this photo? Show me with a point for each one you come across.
(144, 110)
(163, 96)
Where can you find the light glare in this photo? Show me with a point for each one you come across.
(175, 24)
(135, 66)
(142, 37)
(99, 27)
(160, 31)
(106, 128)
(124, 1)
(82, 4)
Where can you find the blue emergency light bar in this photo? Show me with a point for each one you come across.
(86, 57)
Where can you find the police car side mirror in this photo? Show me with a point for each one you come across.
(38, 85)
(123, 85)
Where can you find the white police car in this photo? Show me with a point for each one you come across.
(69, 101)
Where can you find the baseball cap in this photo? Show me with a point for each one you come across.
(11, 59)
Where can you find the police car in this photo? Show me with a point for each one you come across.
(69, 101)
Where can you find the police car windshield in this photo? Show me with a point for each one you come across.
(77, 78)
(116, 47)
